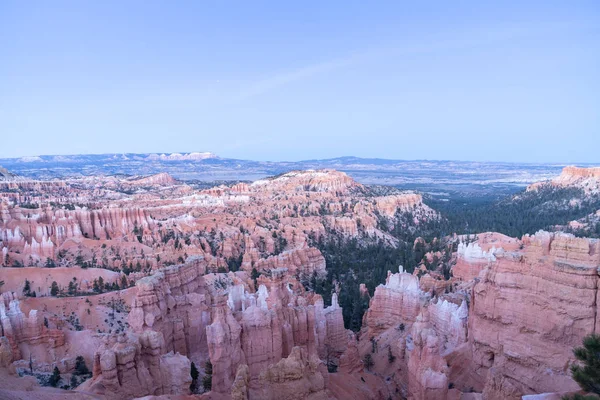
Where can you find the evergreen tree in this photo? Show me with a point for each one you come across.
(72, 288)
(368, 361)
(194, 373)
(55, 378)
(254, 275)
(391, 356)
(80, 367)
(79, 260)
(54, 289)
(27, 288)
(588, 374)
(207, 379)
(74, 382)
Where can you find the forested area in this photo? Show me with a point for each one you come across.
(351, 262)
(516, 215)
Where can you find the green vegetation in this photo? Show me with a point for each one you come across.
(207, 379)
(391, 356)
(27, 289)
(55, 377)
(54, 289)
(194, 373)
(80, 367)
(368, 361)
(351, 262)
(516, 215)
(587, 374)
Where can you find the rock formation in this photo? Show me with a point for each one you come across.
(587, 179)
(220, 275)
(508, 328)
(136, 366)
(299, 376)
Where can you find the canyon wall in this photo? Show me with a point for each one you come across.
(507, 327)
(528, 312)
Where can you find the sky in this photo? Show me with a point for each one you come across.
(295, 80)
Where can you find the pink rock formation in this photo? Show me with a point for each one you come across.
(136, 366)
(173, 302)
(41, 279)
(399, 300)
(300, 262)
(26, 332)
(299, 376)
(268, 326)
(323, 180)
(161, 179)
(587, 179)
(472, 258)
(140, 341)
(530, 310)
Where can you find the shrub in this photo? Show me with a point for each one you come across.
(391, 357)
(368, 361)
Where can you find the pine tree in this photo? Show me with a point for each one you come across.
(74, 381)
(27, 288)
(207, 379)
(194, 373)
(72, 288)
(588, 374)
(55, 378)
(254, 275)
(54, 289)
(368, 361)
(80, 367)
(391, 356)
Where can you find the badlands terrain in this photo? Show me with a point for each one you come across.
(121, 287)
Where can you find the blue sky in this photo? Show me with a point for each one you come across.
(515, 81)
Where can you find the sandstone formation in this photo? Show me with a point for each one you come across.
(299, 376)
(531, 308)
(507, 329)
(144, 223)
(587, 179)
(220, 275)
(136, 366)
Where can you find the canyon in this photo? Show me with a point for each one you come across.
(149, 278)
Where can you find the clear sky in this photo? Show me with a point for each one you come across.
(292, 80)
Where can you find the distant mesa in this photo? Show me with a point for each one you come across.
(181, 157)
(573, 173)
(30, 159)
(587, 179)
